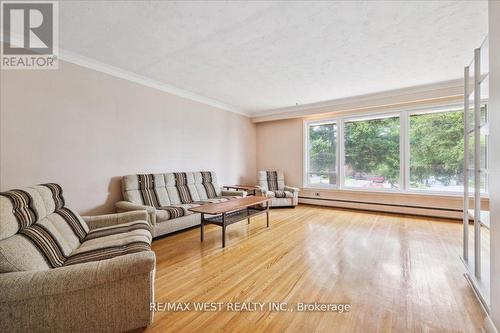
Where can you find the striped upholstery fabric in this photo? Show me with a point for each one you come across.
(176, 193)
(272, 180)
(65, 213)
(170, 189)
(173, 211)
(182, 188)
(208, 184)
(22, 203)
(39, 234)
(107, 253)
(57, 196)
(73, 221)
(272, 185)
(46, 243)
(147, 190)
(280, 194)
(55, 231)
(118, 229)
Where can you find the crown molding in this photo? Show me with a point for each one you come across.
(121, 73)
(451, 88)
(489, 326)
(439, 90)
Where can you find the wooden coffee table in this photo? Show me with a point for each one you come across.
(251, 189)
(229, 212)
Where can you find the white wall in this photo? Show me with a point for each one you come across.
(494, 38)
(84, 129)
(279, 147)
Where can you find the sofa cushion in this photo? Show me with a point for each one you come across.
(205, 182)
(279, 194)
(271, 180)
(170, 189)
(166, 213)
(109, 242)
(152, 190)
(139, 227)
(207, 188)
(18, 253)
(114, 245)
(38, 216)
(145, 189)
(181, 183)
(22, 208)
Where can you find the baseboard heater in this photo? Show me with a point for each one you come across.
(384, 207)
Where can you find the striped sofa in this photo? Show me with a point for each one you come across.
(61, 272)
(167, 197)
(272, 185)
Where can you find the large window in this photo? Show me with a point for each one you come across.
(372, 157)
(401, 151)
(437, 151)
(322, 148)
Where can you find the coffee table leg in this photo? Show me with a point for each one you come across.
(223, 229)
(201, 228)
(267, 213)
(248, 214)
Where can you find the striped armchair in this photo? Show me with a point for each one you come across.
(272, 185)
(61, 272)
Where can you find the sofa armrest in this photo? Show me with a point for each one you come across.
(113, 295)
(261, 192)
(108, 220)
(291, 189)
(226, 193)
(25, 285)
(126, 206)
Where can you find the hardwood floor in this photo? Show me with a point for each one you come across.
(398, 273)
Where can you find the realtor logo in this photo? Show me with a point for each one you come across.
(29, 34)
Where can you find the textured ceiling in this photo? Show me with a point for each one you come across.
(259, 56)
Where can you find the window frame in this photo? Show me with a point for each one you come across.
(307, 125)
(365, 117)
(404, 149)
(409, 113)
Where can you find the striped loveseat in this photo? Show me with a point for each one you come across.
(272, 185)
(60, 272)
(168, 196)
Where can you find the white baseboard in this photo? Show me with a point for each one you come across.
(377, 207)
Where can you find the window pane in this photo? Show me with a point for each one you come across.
(437, 151)
(372, 157)
(484, 153)
(483, 158)
(322, 165)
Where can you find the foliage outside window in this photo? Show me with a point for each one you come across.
(322, 164)
(372, 158)
(437, 151)
(431, 158)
